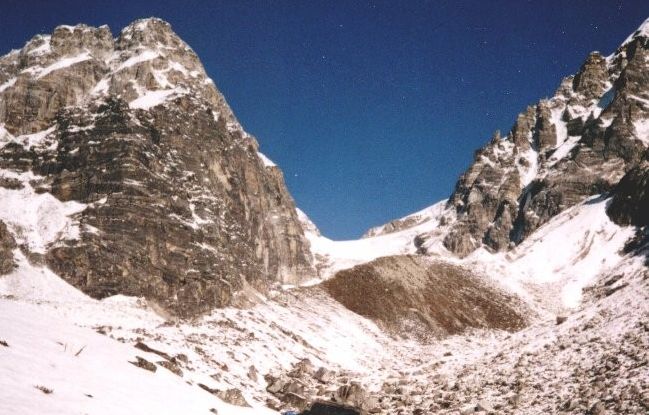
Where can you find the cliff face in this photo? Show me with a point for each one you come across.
(630, 203)
(578, 143)
(176, 202)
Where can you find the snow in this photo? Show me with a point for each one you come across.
(605, 122)
(161, 79)
(34, 139)
(643, 30)
(36, 219)
(528, 173)
(567, 252)
(176, 66)
(418, 217)
(579, 111)
(267, 162)
(642, 131)
(43, 49)
(346, 254)
(7, 84)
(36, 284)
(28, 140)
(560, 125)
(151, 99)
(147, 55)
(87, 372)
(563, 150)
(48, 321)
(66, 27)
(101, 87)
(640, 99)
(307, 225)
(198, 221)
(60, 64)
(5, 136)
(283, 332)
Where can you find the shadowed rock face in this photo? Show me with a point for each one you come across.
(413, 297)
(330, 408)
(7, 245)
(578, 143)
(180, 207)
(630, 203)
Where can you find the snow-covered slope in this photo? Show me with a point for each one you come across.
(427, 214)
(332, 256)
(51, 366)
(562, 257)
(228, 349)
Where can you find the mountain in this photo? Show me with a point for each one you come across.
(578, 143)
(152, 260)
(137, 177)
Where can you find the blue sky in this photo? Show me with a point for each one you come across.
(371, 108)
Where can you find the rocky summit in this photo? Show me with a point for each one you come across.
(178, 204)
(578, 143)
(153, 261)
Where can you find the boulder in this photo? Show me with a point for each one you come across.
(7, 245)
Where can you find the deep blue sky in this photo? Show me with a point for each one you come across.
(371, 108)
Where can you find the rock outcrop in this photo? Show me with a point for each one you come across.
(7, 245)
(630, 203)
(179, 205)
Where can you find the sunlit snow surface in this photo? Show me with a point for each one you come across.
(86, 372)
(36, 219)
(153, 98)
(566, 253)
(264, 159)
(346, 254)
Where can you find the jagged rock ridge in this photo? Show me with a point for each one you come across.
(578, 143)
(178, 205)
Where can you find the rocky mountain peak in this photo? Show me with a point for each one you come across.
(561, 150)
(591, 80)
(145, 65)
(71, 40)
(150, 32)
(641, 33)
(175, 203)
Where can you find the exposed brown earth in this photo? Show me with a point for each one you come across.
(415, 297)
